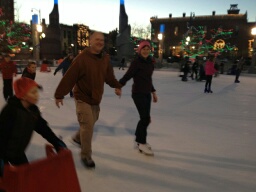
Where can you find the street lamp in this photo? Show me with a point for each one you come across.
(160, 51)
(36, 31)
(252, 66)
(39, 11)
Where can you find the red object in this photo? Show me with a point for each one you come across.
(22, 86)
(54, 173)
(8, 69)
(45, 68)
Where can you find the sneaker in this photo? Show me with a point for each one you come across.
(237, 81)
(143, 148)
(75, 142)
(88, 162)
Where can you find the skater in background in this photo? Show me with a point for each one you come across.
(18, 119)
(64, 65)
(185, 69)
(209, 72)
(141, 70)
(30, 70)
(195, 68)
(122, 64)
(9, 70)
(87, 74)
(239, 68)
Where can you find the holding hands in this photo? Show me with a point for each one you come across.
(118, 92)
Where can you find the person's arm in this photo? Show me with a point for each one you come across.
(43, 129)
(69, 80)
(129, 74)
(110, 77)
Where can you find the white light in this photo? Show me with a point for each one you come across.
(43, 35)
(186, 42)
(188, 38)
(39, 28)
(160, 36)
(72, 45)
(253, 32)
(174, 47)
(193, 47)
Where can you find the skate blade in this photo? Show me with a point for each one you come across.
(147, 154)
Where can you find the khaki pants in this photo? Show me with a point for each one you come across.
(87, 115)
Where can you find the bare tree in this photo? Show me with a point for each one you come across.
(141, 31)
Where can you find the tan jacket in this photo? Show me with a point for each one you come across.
(87, 74)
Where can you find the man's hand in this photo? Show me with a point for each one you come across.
(118, 92)
(155, 99)
(58, 102)
(54, 73)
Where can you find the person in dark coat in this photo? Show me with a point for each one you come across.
(18, 119)
(64, 65)
(239, 69)
(143, 91)
(30, 70)
(122, 63)
(195, 68)
(185, 69)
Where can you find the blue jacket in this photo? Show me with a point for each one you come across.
(64, 65)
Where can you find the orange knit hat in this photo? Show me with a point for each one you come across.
(22, 86)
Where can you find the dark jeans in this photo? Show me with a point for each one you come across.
(143, 105)
(208, 82)
(7, 89)
(238, 71)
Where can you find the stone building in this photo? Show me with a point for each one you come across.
(177, 29)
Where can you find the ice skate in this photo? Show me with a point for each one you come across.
(88, 163)
(136, 146)
(75, 142)
(143, 148)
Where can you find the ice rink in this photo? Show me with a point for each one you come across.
(202, 142)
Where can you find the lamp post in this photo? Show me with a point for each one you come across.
(252, 66)
(160, 51)
(36, 30)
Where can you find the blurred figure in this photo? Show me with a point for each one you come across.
(122, 63)
(239, 68)
(9, 70)
(209, 72)
(185, 69)
(64, 65)
(195, 68)
(30, 70)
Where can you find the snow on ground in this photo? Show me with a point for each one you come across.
(202, 142)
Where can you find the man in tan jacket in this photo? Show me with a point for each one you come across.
(87, 74)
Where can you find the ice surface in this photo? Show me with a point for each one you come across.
(202, 142)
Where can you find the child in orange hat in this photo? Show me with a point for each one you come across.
(18, 119)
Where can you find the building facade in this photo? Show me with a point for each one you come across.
(192, 35)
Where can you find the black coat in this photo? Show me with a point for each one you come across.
(141, 70)
(26, 73)
(16, 127)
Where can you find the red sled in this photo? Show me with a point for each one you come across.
(55, 173)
